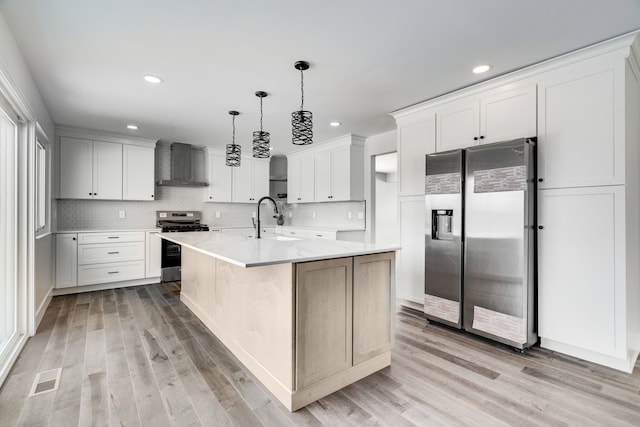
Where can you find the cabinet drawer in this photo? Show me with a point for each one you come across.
(110, 272)
(294, 233)
(127, 236)
(110, 252)
(330, 235)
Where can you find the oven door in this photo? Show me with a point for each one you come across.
(171, 261)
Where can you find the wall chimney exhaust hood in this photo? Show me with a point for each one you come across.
(182, 172)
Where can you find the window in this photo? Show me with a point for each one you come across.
(42, 187)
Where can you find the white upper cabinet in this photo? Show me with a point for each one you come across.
(496, 115)
(323, 176)
(508, 114)
(138, 164)
(76, 168)
(581, 130)
(239, 184)
(90, 169)
(219, 189)
(105, 166)
(107, 170)
(250, 180)
(458, 124)
(329, 172)
(416, 139)
(301, 179)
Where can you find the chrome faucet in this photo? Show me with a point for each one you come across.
(275, 210)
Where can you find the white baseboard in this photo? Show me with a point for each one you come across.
(105, 286)
(7, 364)
(42, 308)
(622, 364)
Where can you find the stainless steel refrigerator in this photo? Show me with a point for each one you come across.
(480, 241)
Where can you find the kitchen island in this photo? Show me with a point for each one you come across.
(306, 317)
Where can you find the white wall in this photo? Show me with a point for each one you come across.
(376, 144)
(14, 68)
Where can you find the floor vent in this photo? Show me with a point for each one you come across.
(46, 381)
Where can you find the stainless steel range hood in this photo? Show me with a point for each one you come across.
(182, 172)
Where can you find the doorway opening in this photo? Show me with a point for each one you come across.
(386, 228)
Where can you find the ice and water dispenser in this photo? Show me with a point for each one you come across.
(442, 224)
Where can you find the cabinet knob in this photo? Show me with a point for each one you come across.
(91, 194)
(540, 227)
(481, 136)
(73, 238)
(152, 196)
(475, 138)
(210, 197)
(540, 179)
(299, 198)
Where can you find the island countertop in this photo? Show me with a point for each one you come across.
(247, 251)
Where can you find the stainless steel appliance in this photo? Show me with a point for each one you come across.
(175, 221)
(443, 240)
(498, 243)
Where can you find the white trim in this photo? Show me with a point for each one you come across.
(352, 139)
(11, 358)
(104, 136)
(621, 47)
(621, 364)
(105, 286)
(43, 308)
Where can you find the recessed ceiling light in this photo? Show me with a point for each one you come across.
(335, 124)
(153, 79)
(132, 127)
(481, 69)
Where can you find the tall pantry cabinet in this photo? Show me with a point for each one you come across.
(584, 108)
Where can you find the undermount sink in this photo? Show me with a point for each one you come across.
(277, 237)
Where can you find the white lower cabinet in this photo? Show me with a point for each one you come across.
(581, 282)
(100, 258)
(66, 260)
(112, 258)
(410, 281)
(154, 254)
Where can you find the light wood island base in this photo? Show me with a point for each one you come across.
(305, 330)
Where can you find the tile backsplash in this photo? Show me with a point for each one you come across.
(104, 214)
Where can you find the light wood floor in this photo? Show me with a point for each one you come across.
(137, 356)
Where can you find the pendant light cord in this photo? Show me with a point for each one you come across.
(302, 90)
(260, 115)
(233, 123)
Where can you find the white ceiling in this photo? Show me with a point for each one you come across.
(367, 58)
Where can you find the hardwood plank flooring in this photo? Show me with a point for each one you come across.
(138, 357)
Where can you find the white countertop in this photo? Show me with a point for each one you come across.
(249, 252)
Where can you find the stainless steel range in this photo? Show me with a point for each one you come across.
(176, 221)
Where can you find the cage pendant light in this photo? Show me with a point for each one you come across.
(302, 121)
(261, 139)
(233, 149)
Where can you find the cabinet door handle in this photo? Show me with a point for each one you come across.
(111, 253)
(481, 136)
(540, 227)
(299, 198)
(540, 179)
(113, 272)
(475, 138)
(319, 235)
(113, 237)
